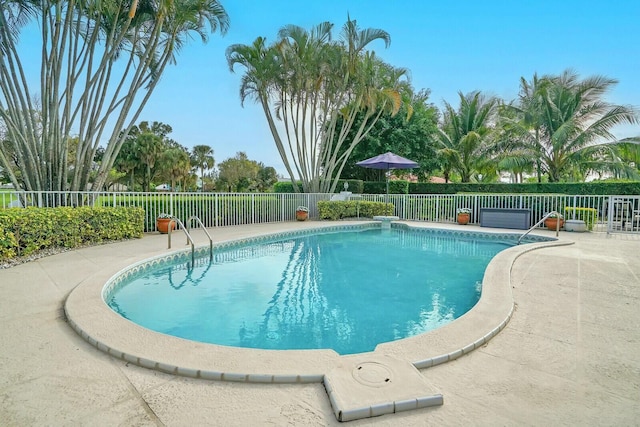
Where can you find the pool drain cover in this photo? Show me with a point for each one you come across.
(372, 374)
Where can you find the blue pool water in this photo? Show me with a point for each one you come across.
(347, 291)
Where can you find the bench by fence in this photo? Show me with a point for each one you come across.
(505, 218)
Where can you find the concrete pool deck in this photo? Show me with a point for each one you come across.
(569, 355)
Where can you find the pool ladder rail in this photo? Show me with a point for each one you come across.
(189, 238)
(540, 222)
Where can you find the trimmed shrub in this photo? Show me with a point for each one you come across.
(583, 188)
(356, 186)
(395, 187)
(588, 215)
(283, 187)
(339, 209)
(26, 231)
(8, 241)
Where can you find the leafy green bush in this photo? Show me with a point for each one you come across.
(583, 188)
(374, 187)
(26, 231)
(395, 187)
(339, 209)
(283, 187)
(588, 215)
(355, 186)
(8, 241)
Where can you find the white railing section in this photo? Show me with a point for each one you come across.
(623, 214)
(619, 214)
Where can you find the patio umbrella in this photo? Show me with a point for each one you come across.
(388, 161)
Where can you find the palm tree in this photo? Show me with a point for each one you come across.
(202, 158)
(628, 151)
(520, 125)
(564, 123)
(114, 53)
(464, 142)
(128, 161)
(306, 82)
(176, 165)
(150, 147)
(262, 70)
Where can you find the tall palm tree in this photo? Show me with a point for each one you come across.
(304, 82)
(114, 53)
(176, 165)
(628, 151)
(202, 158)
(150, 147)
(128, 161)
(262, 72)
(464, 139)
(564, 123)
(520, 124)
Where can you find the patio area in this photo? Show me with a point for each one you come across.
(569, 355)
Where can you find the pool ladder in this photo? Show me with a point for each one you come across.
(189, 238)
(540, 222)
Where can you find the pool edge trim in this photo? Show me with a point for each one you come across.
(84, 313)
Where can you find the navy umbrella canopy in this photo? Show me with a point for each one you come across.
(388, 161)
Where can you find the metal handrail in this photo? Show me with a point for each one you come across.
(540, 222)
(205, 230)
(189, 239)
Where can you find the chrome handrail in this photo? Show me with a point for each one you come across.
(206, 232)
(189, 239)
(540, 222)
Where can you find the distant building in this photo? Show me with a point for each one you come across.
(437, 180)
(413, 178)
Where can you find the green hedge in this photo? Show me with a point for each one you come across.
(283, 187)
(395, 187)
(26, 231)
(356, 186)
(339, 209)
(405, 187)
(582, 188)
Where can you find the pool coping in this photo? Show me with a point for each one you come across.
(104, 329)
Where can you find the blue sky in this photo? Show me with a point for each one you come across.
(448, 47)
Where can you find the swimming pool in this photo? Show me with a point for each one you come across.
(88, 314)
(346, 290)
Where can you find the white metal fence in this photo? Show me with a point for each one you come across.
(623, 214)
(620, 214)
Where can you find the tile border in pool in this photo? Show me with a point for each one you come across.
(91, 318)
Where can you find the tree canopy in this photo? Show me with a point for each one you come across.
(411, 133)
(240, 174)
(99, 64)
(562, 126)
(149, 157)
(465, 135)
(307, 83)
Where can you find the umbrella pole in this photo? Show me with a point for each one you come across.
(387, 196)
(387, 182)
